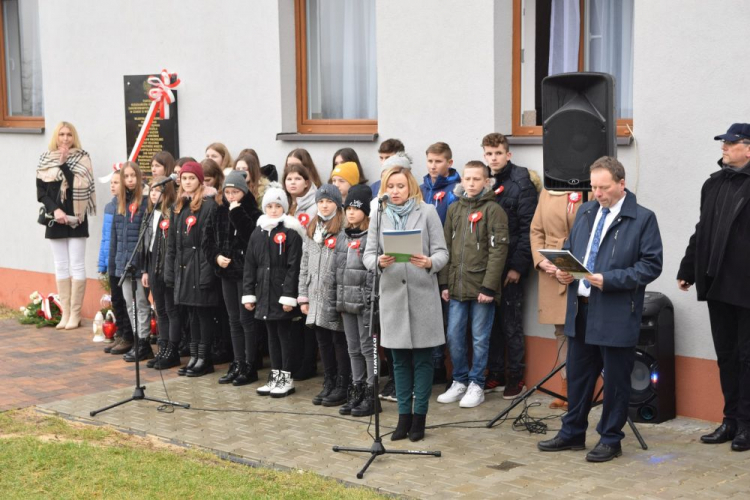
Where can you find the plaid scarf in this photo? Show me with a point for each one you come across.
(84, 189)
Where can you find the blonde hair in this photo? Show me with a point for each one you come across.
(53, 140)
(414, 191)
(137, 191)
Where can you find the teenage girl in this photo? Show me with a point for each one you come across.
(126, 224)
(187, 269)
(348, 154)
(317, 295)
(162, 164)
(219, 153)
(160, 203)
(271, 277)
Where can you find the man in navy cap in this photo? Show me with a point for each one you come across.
(716, 262)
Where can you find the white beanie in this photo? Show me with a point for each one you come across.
(400, 159)
(274, 194)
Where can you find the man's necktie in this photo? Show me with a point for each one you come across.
(595, 245)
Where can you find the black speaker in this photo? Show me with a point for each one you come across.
(652, 393)
(579, 126)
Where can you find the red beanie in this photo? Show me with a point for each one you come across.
(194, 168)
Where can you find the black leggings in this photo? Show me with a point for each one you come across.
(333, 352)
(279, 344)
(167, 314)
(202, 324)
(242, 322)
(120, 309)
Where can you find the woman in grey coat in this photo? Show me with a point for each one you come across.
(411, 318)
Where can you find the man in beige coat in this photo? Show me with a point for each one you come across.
(550, 227)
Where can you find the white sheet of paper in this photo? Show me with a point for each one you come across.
(402, 244)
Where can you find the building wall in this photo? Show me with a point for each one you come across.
(444, 73)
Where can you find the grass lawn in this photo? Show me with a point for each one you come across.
(48, 457)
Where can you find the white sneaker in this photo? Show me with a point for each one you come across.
(474, 396)
(453, 394)
(284, 385)
(265, 390)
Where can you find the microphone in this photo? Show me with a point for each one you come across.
(171, 178)
(384, 199)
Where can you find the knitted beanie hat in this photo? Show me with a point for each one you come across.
(347, 171)
(274, 194)
(359, 197)
(400, 159)
(236, 179)
(329, 192)
(192, 167)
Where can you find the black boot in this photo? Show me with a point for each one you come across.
(144, 351)
(231, 373)
(160, 353)
(204, 365)
(193, 346)
(367, 406)
(329, 383)
(354, 395)
(170, 359)
(337, 396)
(403, 426)
(417, 427)
(247, 374)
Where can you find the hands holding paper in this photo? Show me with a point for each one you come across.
(596, 280)
(421, 261)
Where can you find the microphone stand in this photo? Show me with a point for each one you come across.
(377, 447)
(139, 392)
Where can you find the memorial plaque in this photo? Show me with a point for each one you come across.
(163, 135)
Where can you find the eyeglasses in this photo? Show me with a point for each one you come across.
(729, 144)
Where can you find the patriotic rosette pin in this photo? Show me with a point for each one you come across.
(279, 239)
(499, 190)
(331, 242)
(438, 197)
(573, 198)
(164, 225)
(303, 219)
(132, 208)
(473, 219)
(190, 222)
(354, 245)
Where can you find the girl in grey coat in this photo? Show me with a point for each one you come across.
(317, 295)
(411, 316)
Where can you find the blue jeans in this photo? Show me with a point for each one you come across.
(482, 316)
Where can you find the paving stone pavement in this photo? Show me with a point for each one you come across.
(476, 462)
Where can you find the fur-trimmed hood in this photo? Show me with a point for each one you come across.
(288, 221)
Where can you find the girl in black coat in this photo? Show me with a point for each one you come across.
(225, 241)
(160, 203)
(272, 264)
(187, 269)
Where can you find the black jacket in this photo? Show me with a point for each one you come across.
(154, 258)
(48, 193)
(721, 236)
(271, 275)
(228, 233)
(515, 192)
(187, 269)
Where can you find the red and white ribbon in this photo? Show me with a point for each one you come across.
(280, 238)
(190, 222)
(303, 219)
(473, 219)
(499, 190)
(115, 168)
(133, 209)
(573, 198)
(438, 197)
(52, 298)
(164, 225)
(161, 96)
(331, 242)
(354, 245)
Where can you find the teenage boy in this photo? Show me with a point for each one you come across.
(437, 189)
(476, 229)
(388, 148)
(515, 192)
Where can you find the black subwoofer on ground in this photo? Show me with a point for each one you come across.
(579, 126)
(652, 393)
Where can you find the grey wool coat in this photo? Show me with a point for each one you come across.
(317, 283)
(411, 316)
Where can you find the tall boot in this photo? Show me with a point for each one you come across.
(416, 433)
(559, 403)
(159, 354)
(204, 365)
(63, 291)
(337, 397)
(170, 359)
(77, 291)
(193, 346)
(403, 426)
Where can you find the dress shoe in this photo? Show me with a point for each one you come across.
(741, 441)
(725, 432)
(559, 444)
(603, 452)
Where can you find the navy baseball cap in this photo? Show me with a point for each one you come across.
(737, 132)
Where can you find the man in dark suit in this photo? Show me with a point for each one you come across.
(716, 261)
(619, 242)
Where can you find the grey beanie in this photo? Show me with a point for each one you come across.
(236, 179)
(330, 192)
(274, 194)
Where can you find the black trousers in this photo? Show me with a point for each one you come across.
(730, 328)
(167, 315)
(585, 364)
(507, 332)
(202, 324)
(120, 309)
(242, 323)
(279, 344)
(334, 353)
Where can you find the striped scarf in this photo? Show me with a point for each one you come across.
(84, 188)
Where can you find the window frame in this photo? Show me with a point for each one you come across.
(316, 126)
(517, 129)
(6, 119)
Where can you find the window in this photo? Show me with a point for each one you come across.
(21, 103)
(560, 36)
(336, 66)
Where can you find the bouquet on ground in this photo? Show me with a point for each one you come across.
(42, 310)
